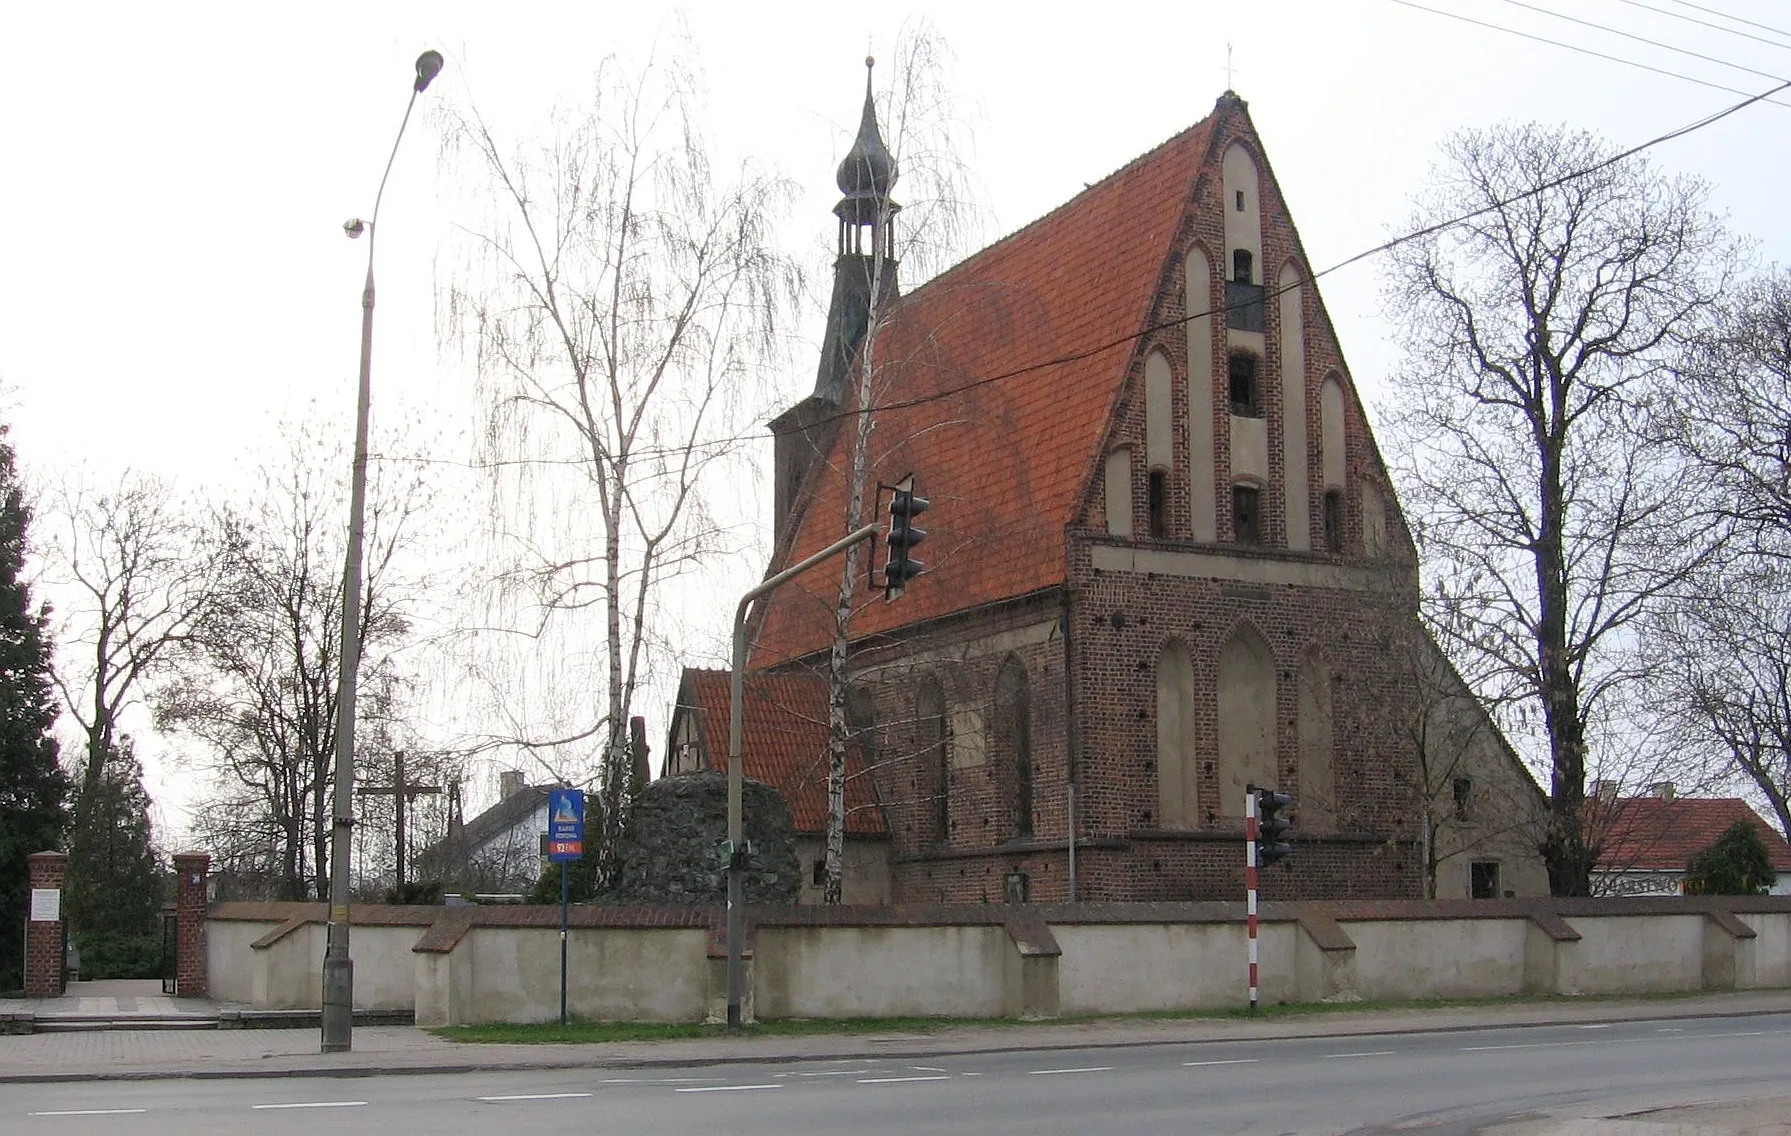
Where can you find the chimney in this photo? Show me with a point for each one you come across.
(1661, 789)
(510, 783)
(1604, 792)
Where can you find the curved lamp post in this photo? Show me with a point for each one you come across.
(338, 967)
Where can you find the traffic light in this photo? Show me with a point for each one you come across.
(904, 506)
(1271, 830)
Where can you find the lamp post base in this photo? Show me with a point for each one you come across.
(338, 1004)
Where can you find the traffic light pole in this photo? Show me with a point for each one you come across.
(736, 694)
(1250, 884)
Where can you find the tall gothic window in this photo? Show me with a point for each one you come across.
(935, 753)
(1013, 718)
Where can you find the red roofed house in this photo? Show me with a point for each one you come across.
(1165, 560)
(1645, 842)
(784, 744)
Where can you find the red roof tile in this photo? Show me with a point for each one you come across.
(783, 742)
(1003, 463)
(1656, 834)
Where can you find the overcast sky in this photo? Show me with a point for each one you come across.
(174, 281)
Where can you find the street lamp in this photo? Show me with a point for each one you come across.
(338, 967)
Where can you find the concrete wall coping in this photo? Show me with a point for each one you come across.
(1726, 921)
(280, 932)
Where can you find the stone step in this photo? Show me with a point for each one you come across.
(94, 1023)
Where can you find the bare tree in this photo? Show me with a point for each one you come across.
(141, 574)
(1541, 333)
(624, 307)
(1722, 652)
(925, 144)
(256, 676)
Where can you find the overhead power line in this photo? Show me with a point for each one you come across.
(1593, 24)
(1269, 293)
(1707, 24)
(1727, 16)
(1576, 48)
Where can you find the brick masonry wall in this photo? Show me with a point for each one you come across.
(192, 872)
(43, 939)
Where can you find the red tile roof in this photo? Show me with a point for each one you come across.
(1003, 463)
(1657, 834)
(783, 742)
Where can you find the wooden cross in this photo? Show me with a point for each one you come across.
(401, 792)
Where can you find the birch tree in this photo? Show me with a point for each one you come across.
(1541, 335)
(623, 303)
(925, 139)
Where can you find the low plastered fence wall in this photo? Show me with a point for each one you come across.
(481, 964)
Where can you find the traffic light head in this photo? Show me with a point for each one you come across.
(904, 506)
(1271, 827)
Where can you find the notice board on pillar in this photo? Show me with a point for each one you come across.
(46, 905)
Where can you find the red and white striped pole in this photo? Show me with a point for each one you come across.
(1250, 883)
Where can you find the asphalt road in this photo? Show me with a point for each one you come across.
(1448, 1080)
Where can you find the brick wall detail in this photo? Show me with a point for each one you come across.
(192, 872)
(43, 940)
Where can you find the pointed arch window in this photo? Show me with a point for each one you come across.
(1013, 721)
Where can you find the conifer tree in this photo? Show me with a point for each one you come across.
(33, 789)
(114, 872)
(1736, 863)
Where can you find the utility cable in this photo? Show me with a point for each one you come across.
(1577, 48)
(1727, 16)
(1593, 24)
(1706, 24)
(1269, 293)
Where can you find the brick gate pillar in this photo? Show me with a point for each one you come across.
(191, 903)
(43, 937)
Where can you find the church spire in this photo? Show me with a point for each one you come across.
(865, 176)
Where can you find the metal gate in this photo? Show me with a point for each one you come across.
(61, 957)
(170, 953)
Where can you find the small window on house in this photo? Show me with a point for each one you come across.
(1241, 266)
(1159, 503)
(1333, 521)
(1244, 400)
(1240, 201)
(1463, 790)
(819, 873)
(1244, 517)
(1483, 879)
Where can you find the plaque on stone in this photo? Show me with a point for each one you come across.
(46, 905)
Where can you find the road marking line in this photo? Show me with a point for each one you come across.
(534, 1096)
(927, 1069)
(89, 1112)
(1369, 1053)
(1596, 1025)
(1088, 1069)
(724, 1088)
(898, 1080)
(654, 1080)
(836, 1073)
(313, 1104)
(1232, 1061)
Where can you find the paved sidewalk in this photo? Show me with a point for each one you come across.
(1762, 1116)
(141, 1054)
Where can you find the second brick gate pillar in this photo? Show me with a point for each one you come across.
(191, 903)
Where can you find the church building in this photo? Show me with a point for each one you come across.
(1164, 562)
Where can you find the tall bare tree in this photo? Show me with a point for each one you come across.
(925, 146)
(141, 572)
(1541, 334)
(256, 677)
(623, 305)
(1722, 652)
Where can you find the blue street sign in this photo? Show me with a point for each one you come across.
(565, 825)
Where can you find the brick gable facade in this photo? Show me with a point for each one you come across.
(1075, 588)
